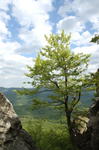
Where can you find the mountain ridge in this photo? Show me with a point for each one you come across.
(23, 103)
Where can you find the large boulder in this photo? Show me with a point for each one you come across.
(12, 136)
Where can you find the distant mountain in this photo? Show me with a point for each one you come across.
(23, 104)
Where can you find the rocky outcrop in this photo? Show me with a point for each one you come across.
(89, 140)
(12, 136)
(93, 125)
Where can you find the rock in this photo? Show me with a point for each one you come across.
(96, 80)
(81, 124)
(93, 125)
(89, 140)
(12, 136)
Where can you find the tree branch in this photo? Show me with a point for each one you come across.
(75, 101)
(44, 91)
(55, 83)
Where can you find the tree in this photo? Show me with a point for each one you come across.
(60, 70)
(95, 39)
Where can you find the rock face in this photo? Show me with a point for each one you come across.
(89, 140)
(96, 80)
(12, 136)
(93, 125)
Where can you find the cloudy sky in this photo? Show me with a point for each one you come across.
(23, 24)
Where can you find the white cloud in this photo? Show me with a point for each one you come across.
(34, 39)
(33, 17)
(93, 49)
(32, 12)
(83, 9)
(12, 65)
(70, 24)
(86, 14)
(95, 22)
(80, 39)
(4, 32)
(4, 4)
(4, 16)
(79, 35)
(86, 10)
(8, 48)
(3, 29)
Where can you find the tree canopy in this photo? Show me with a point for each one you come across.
(57, 68)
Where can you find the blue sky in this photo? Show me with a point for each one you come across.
(23, 24)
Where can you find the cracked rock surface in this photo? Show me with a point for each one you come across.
(12, 136)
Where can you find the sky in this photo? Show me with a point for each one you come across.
(23, 24)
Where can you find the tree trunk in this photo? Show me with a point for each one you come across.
(70, 127)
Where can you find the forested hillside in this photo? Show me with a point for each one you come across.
(23, 103)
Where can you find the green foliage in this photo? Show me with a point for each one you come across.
(48, 135)
(95, 39)
(60, 70)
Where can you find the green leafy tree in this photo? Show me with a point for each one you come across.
(60, 70)
(95, 39)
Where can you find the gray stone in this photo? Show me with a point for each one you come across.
(12, 136)
(89, 140)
